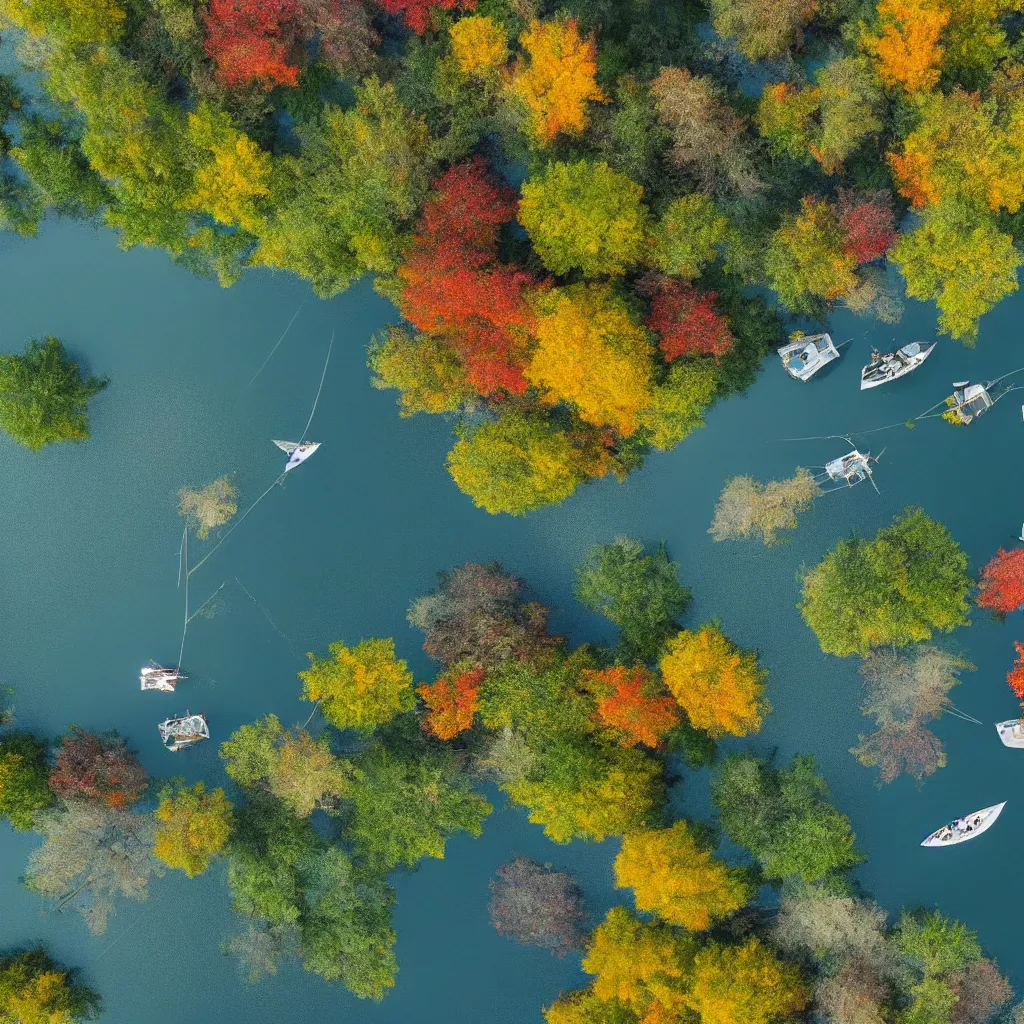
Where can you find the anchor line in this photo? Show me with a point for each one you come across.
(278, 345)
(323, 377)
(238, 522)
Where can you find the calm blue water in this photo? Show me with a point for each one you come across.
(88, 567)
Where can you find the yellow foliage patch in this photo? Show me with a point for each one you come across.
(558, 80)
(479, 45)
(718, 686)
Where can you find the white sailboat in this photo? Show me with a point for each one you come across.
(156, 677)
(968, 827)
(1011, 732)
(297, 452)
(893, 365)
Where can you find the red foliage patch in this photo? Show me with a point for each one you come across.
(869, 223)
(687, 323)
(456, 287)
(1001, 587)
(630, 701)
(1015, 677)
(419, 14)
(99, 768)
(252, 41)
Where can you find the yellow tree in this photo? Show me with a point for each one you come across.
(745, 984)
(591, 352)
(675, 877)
(557, 80)
(359, 687)
(479, 45)
(906, 43)
(638, 963)
(194, 827)
(718, 686)
(72, 22)
(234, 178)
(35, 990)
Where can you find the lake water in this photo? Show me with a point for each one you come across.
(88, 571)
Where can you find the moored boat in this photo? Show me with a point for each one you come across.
(183, 731)
(968, 827)
(804, 356)
(297, 452)
(893, 365)
(1011, 732)
(156, 677)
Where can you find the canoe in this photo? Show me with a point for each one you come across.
(968, 827)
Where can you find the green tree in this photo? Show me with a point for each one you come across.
(518, 463)
(359, 687)
(407, 799)
(896, 589)
(299, 770)
(288, 878)
(34, 989)
(686, 237)
(958, 256)
(781, 816)
(679, 402)
(43, 396)
(761, 28)
(935, 945)
(23, 778)
(344, 205)
(584, 216)
(639, 592)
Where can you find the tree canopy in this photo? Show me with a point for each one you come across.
(43, 396)
(35, 989)
(908, 582)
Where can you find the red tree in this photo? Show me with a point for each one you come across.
(419, 14)
(100, 768)
(456, 287)
(253, 40)
(686, 321)
(1015, 677)
(869, 223)
(451, 703)
(1001, 587)
(632, 702)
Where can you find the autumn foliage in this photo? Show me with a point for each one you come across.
(687, 323)
(673, 876)
(559, 78)
(419, 14)
(907, 44)
(455, 286)
(252, 41)
(632, 702)
(451, 702)
(1001, 587)
(1015, 677)
(98, 768)
(718, 686)
(869, 224)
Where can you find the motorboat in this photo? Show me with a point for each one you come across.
(156, 677)
(893, 365)
(804, 356)
(968, 402)
(1011, 732)
(297, 452)
(968, 827)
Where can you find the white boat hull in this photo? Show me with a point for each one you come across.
(968, 827)
(914, 355)
(1011, 733)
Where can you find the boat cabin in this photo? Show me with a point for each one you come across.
(803, 357)
(156, 677)
(968, 403)
(184, 731)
